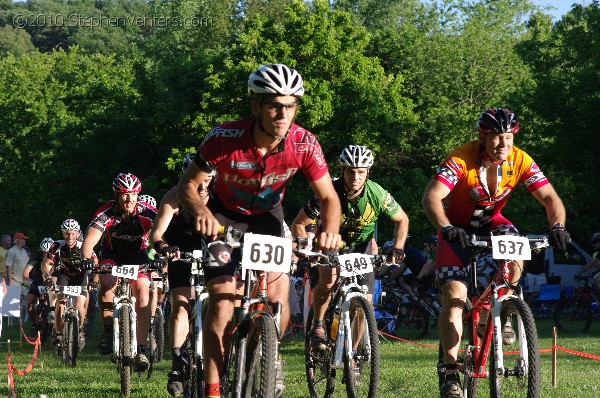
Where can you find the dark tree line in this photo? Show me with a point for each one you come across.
(80, 103)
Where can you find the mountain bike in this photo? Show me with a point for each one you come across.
(510, 337)
(250, 357)
(352, 337)
(575, 314)
(156, 336)
(70, 328)
(407, 317)
(192, 349)
(44, 320)
(124, 317)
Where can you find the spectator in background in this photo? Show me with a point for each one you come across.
(535, 275)
(5, 242)
(17, 259)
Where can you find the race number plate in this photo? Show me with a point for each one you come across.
(126, 271)
(266, 253)
(508, 247)
(42, 289)
(355, 264)
(72, 290)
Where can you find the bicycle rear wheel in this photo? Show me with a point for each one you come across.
(361, 366)
(573, 315)
(320, 374)
(412, 321)
(125, 354)
(70, 340)
(521, 376)
(261, 350)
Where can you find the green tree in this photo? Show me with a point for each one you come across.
(14, 41)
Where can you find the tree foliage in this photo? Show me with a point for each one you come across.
(80, 103)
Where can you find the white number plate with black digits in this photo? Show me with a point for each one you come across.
(42, 289)
(72, 290)
(355, 264)
(508, 247)
(126, 271)
(266, 253)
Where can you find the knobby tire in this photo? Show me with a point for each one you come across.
(527, 381)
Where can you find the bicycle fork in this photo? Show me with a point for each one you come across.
(343, 341)
(132, 328)
(498, 330)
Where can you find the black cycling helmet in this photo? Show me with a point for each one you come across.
(497, 121)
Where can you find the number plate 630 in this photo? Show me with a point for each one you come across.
(266, 253)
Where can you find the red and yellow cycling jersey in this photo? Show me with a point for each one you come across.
(469, 202)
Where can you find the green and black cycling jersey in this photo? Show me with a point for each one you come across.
(358, 218)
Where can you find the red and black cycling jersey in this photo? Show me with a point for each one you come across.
(248, 182)
(119, 235)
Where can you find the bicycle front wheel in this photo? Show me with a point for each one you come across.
(125, 354)
(159, 334)
(361, 366)
(70, 340)
(521, 374)
(261, 350)
(320, 373)
(573, 315)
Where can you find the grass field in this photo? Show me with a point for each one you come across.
(406, 370)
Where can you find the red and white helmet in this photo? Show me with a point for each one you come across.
(127, 182)
(497, 121)
(276, 79)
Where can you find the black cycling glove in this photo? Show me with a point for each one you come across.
(559, 238)
(88, 264)
(453, 234)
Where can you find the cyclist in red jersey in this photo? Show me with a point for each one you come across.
(465, 196)
(121, 226)
(254, 160)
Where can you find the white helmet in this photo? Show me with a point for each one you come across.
(70, 225)
(46, 244)
(276, 79)
(356, 156)
(147, 199)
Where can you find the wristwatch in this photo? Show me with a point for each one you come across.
(558, 226)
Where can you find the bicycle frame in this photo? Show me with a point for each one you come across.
(347, 289)
(496, 293)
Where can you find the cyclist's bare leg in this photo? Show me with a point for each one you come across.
(80, 303)
(454, 296)
(279, 290)
(58, 312)
(107, 284)
(178, 321)
(154, 296)
(322, 292)
(219, 312)
(31, 302)
(141, 291)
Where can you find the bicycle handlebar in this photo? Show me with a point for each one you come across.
(485, 241)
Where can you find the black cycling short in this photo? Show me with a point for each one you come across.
(78, 279)
(179, 274)
(36, 280)
(267, 224)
